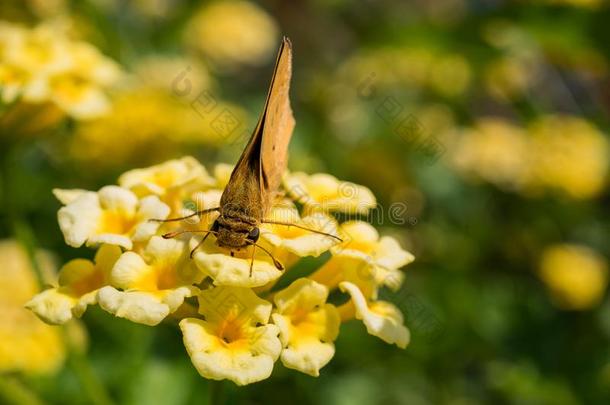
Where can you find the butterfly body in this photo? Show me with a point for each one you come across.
(255, 180)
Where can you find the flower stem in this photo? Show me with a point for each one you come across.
(13, 391)
(91, 384)
(216, 392)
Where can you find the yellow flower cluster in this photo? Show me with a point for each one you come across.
(26, 344)
(145, 117)
(236, 315)
(448, 74)
(42, 65)
(576, 276)
(233, 33)
(563, 153)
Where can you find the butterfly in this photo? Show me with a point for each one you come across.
(255, 181)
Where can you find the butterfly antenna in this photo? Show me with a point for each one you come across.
(302, 227)
(171, 235)
(202, 212)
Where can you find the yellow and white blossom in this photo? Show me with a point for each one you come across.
(365, 258)
(308, 326)
(234, 340)
(154, 284)
(381, 318)
(113, 215)
(42, 64)
(232, 333)
(171, 181)
(78, 284)
(323, 192)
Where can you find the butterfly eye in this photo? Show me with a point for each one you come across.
(254, 234)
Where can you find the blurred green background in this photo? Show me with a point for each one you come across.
(481, 127)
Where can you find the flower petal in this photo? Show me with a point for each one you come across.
(218, 363)
(139, 307)
(79, 219)
(52, 306)
(381, 318)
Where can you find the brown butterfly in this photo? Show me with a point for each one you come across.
(255, 180)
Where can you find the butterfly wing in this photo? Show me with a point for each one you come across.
(278, 123)
(258, 172)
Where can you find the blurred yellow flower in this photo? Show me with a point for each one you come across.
(234, 340)
(26, 343)
(233, 32)
(576, 3)
(154, 283)
(570, 154)
(507, 78)
(42, 64)
(494, 150)
(308, 326)
(113, 215)
(554, 153)
(450, 75)
(78, 284)
(148, 118)
(576, 276)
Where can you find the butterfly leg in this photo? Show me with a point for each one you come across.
(276, 262)
(252, 259)
(200, 243)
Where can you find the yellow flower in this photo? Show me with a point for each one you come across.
(251, 32)
(234, 340)
(365, 259)
(26, 343)
(153, 284)
(575, 275)
(222, 174)
(79, 282)
(507, 78)
(496, 151)
(381, 318)
(555, 153)
(571, 154)
(323, 192)
(171, 181)
(113, 215)
(42, 65)
(450, 75)
(308, 326)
